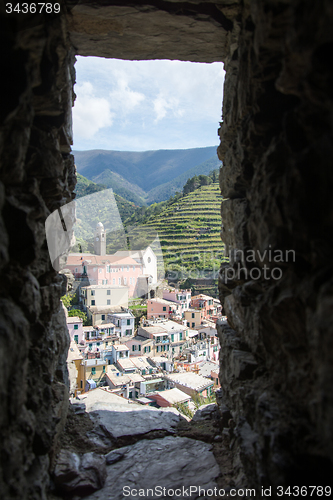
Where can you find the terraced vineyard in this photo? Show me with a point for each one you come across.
(189, 233)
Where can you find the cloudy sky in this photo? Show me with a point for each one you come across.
(146, 105)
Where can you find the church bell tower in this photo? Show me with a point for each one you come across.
(100, 240)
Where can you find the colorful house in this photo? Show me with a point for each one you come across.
(75, 329)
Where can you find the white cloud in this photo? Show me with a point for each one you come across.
(163, 104)
(90, 113)
(125, 99)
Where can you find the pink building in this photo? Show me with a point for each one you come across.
(205, 303)
(106, 270)
(182, 297)
(160, 308)
(75, 329)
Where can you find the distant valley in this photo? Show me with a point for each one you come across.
(145, 177)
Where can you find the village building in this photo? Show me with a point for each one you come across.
(182, 297)
(104, 295)
(159, 335)
(190, 383)
(108, 270)
(204, 303)
(160, 308)
(170, 397)
(76, 371)
(197, 352)
(75, 328)
(99, 314)
(193, 317)
(140, 345)
(150, 385)
(118, 382)
(162, 363)
(95, 370)
(124, 322)
(143, 365)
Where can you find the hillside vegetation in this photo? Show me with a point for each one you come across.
(189, 233)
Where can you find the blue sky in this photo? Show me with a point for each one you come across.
(146, 105)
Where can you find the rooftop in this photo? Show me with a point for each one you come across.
(202, 297)
(77, 259)
(126, 364)
(121, 347)
(140, 362)
(189, 379)
(95, 362)
(74, 319)
(73, 352)
(174, 395)
(103, 287)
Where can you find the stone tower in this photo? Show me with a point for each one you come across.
(100, 240)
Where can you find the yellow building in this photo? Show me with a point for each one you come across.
(76, 369)
(95, 370)
(193, 317)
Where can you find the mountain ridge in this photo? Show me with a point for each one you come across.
(139, 176)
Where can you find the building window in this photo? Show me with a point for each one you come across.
(103, 317)
(93, 371)
(108, 292)
(98, 343)
(113, 281)
(133, 268)
(76, 327)
(119, 281)
(133, 347)
(164, 308)
(172, 337)
(139, 347)
(76, 338)
(108, 302)
(92, 302)
(99, 270)
(103, 369)
(188, 324)
(128, 332)
(92, 292)
(122, 268)
(193, 325)
(127, 268)
(125, 281)
(192, 315)
(180, 336)
(130, 281)
(81, 384)
(128, 321)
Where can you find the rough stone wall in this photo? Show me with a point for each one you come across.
(276, 144)
(37, 175)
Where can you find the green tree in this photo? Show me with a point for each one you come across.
(79, 314)
(67, 300)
